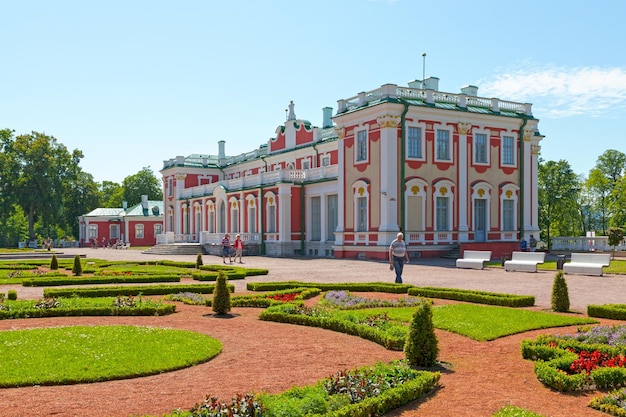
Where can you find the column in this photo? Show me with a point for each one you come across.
(390, 191)
(341, 187)
(464, 129)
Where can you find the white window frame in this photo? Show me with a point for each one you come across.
(270, 213)
(476, 148)
(361, 200)
(420, 145)
(443, 189)
(361, 146)
(158, 229)
(326, 160)
(503, 153)
(93, 231)
(306, 163)
(509, 192)
(139, 231)
(438, 157)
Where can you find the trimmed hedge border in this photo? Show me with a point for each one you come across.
(130, 290)
(607, 311)
(264, 300)
(161, 310)
(348, 286)
(481, 297)
(389, 400)
(101, 279)
(212, 276)
(280, 315)
(553, 360)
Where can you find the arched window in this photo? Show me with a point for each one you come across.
(444, 202)
(270, 212)
(360, 190)
(252, 221)
(415, 198)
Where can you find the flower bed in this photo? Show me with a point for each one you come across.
(587, 360)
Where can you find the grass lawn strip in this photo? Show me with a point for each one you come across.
(81, 354)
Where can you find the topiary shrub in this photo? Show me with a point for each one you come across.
(77, 269)
(421, 347)
(12, 295)
(560, 296)
(199, 261)
(54, 263)
(221, 295)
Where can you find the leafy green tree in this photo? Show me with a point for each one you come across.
(559, 208)
(600, 188)
(81, 196)
(112, 194)
(44, 166)
(617, 204)
(604, 178)
(615, 235)
(142, 183)
(8, 199)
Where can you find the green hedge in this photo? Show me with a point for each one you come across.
(161, 310)
(348, 286)
(264, 300)
(212, 276)
(390, 399)
(130, 290)
(472, 296)
(100, 279)
(607, 311)
(281, 314)
(553, 360)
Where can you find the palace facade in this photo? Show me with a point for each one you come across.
(447, 169)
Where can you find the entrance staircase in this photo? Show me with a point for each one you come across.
(453, 253)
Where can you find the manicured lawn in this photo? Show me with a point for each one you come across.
(80, 354)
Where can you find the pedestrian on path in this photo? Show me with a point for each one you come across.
(398, 256)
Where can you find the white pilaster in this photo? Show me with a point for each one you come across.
(389, 192)
(463, 129)
(341, 186)
(284, 212)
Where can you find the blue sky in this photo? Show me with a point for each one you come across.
(133, 83)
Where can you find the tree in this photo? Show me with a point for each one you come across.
(112, 194)
(615, 235)
(603, 179)
(8, 199)
(559, 209)
(142, 183)
(221, 303)
(560, 294)
(81, 196)
(421, 347)
(43, 165)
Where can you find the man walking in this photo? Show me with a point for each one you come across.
(398, 255)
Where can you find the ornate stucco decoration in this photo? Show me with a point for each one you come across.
(528, 135)
(415, 189)
(464, 128)
(341, 132)
(535, 149)
(180, 176)
(388, 120)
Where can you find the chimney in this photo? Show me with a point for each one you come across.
(415, 84)
(144, 202)
(221, 156)
(470, 90)
(124, 205)
(431, 83)
(328, 114)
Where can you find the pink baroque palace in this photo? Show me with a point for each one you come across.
(450, 170)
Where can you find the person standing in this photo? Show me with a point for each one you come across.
(238, 248)
(226, 248)
(398, 256)
(533, 243)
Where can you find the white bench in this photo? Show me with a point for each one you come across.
(524, 261)
(587, 263)
(474, 259)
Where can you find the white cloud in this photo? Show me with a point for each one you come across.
(558, 92)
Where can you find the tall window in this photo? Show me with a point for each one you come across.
(508, 152)
(443, 145)
(271, 219)
(114, 231)
(332, 217)
(170, 187)
(361, 214)
(234, 218)
(158, 229)
(361, 146)
(414, 142)
(325, 161)
(442, 207)
(316, 219)
(211, 220)
(508, 215)
(139, 231)
(480, 148)
(251, 218)
(93, 231)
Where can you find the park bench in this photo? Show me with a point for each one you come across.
(474, 259)
(587, 263)
(524, 261)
